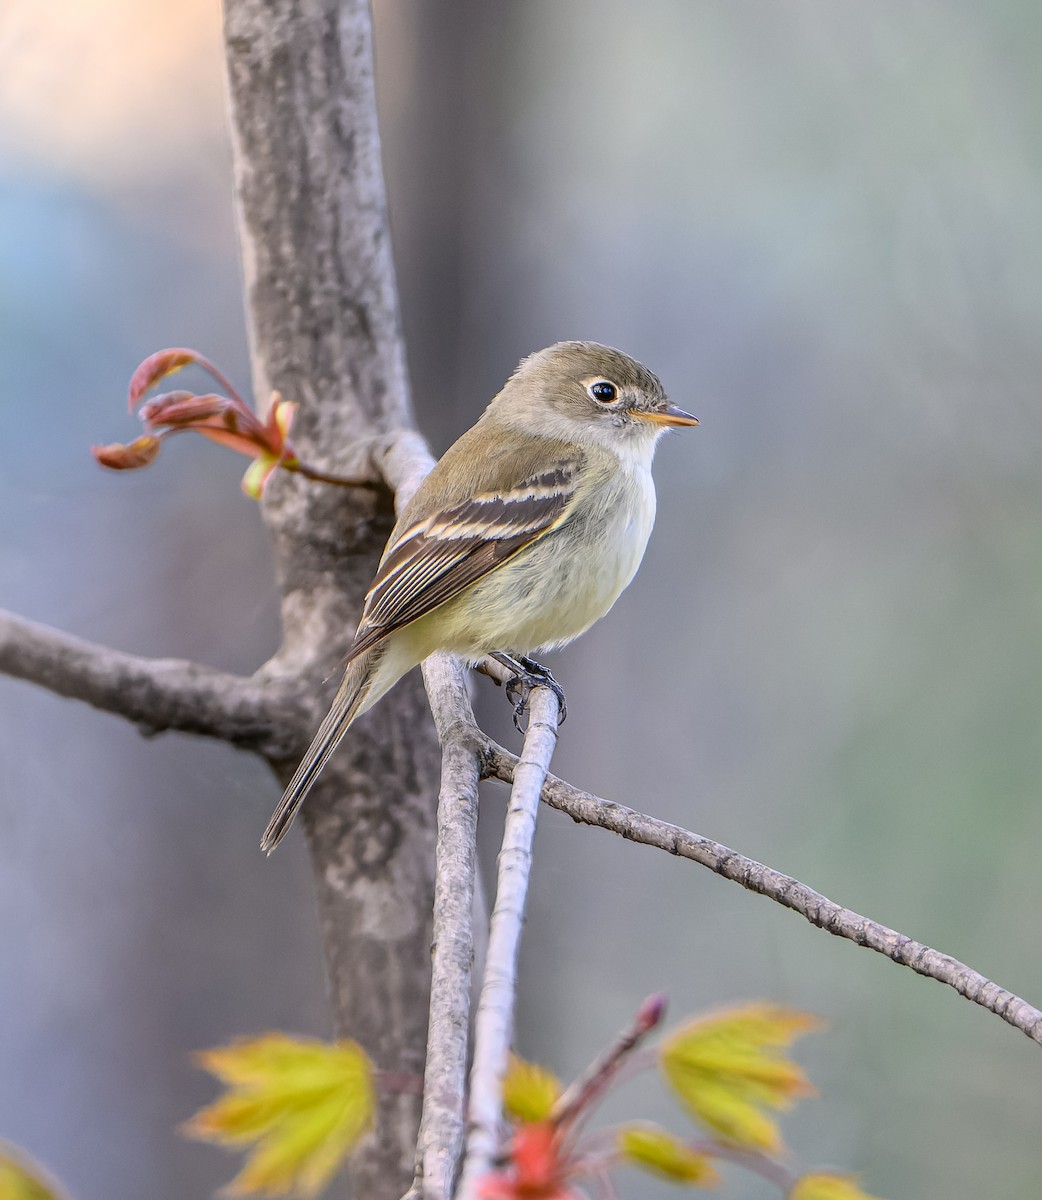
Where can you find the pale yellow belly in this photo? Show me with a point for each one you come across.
(554, 590)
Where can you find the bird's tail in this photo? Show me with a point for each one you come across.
(354, 690)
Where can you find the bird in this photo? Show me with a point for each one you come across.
(524, 533)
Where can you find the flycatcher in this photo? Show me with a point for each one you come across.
(522, 536)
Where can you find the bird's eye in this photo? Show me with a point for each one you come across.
(604, 391)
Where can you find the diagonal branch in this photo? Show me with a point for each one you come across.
(267, 716)
(635, 826)
(157, 694)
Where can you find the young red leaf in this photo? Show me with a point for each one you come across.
(118, 457)
(183, 408)
(156, 367)
(536, 1170)
(165, 362)
(225, 419)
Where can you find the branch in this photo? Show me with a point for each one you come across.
(493, 1029)
(588, 809)
(598, 1076)
(444, 1083)
(265, 712)
(157, 694)
(403, 459)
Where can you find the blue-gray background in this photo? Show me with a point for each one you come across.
(821, 224)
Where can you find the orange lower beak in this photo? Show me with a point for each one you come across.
(669, 415)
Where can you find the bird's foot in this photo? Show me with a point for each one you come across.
(528, 674)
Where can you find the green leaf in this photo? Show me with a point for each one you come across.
(303, 1104)
(529, 1091)
(659, 1152)
(725, 1068)
(828, 1187)
(23, 1179)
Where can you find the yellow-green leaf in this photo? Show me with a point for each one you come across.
(829, 1187)
(662, 1154)
(23, 1179)
(257, 475)
(726, 1067)
(282, 413)
(303, 1104)
(529, 1091)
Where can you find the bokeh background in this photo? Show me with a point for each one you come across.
(821, 224)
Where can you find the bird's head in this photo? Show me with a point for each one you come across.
(588, 393)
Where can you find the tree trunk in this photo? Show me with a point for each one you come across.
(324, 329)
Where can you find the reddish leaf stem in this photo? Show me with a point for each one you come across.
(580, 1097)
(302, 468)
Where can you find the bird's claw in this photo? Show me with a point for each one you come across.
(529, 675)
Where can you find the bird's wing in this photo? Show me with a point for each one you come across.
(435, 558)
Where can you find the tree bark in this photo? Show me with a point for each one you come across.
(324, 331)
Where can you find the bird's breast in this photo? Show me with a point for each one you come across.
(558, 587)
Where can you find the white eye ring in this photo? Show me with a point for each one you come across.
(603, 392)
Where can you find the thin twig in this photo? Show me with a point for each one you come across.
(604, 1070)
(764, 1165)
(155, 693)
(635, 826)
(493, 1030)
(317, 476)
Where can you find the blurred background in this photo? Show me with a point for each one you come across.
(821, 224)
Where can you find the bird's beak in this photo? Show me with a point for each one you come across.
(668, 414)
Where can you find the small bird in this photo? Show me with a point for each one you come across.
(523, 535)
